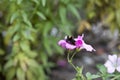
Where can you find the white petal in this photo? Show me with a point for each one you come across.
(110, 69)
(108, 64)
(87, 47)
(113, 58)
(118, 68)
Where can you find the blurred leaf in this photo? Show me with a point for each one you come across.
(10, 74)
(118, 16)
(98, 2)
(23, 65)
(13, 17)
(41, 15)
(20, 74)
(24, 46)
(74, 11)
(62, 14)
(25, 19)
(48, 48)
(47, 28)
(83, 25)
(43, 2)
(30, 76)
(102, 69)
(36, 1)
(91, 14)
(16, 38)
(19, 1)
(91, 76)
(8, 64)
(2, 52)
(33, 63)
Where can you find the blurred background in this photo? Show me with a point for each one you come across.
(30, 30)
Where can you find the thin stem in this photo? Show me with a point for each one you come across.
(70, 61)
(72, 55)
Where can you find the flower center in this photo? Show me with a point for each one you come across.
(78, 43)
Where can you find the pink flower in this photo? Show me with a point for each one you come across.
(66, 45)
(112, 64)
(78, 42)
(82, 45)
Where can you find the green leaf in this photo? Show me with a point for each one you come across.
(90, 76)
(102, 69)
(24, 46)
(10, 73)
(118, 16)
(8, 64)
(41, 15)
(30, 76)
(16, 38)
(2, 52)
(25, 19)
(43, 2)
(62, 14)
(13, 17)
(33, 63)
(19, 1)
(47, 28)
(74, 11)
(20, 74)
(43, 57)
(36, 1)
(47, 45)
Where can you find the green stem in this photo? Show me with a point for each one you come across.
(72, 55)
(70, 61)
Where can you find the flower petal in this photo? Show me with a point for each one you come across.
(108, 64)
(80, 37)
(113, 58)
(118, 61)
(118, 68)
(62, 43)
(69, 46)
(111, 69)
(87, 47)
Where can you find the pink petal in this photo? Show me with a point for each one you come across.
(87, 47)
(62, 43)
(69, 46)
(113, 58)
(80, 37)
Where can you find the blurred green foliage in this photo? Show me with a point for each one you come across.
(105, 11)
(29, 31)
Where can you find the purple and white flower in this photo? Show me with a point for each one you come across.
(112, 64)
(79, 43)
